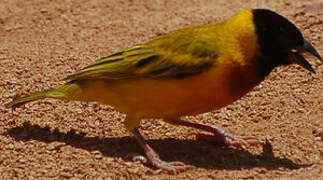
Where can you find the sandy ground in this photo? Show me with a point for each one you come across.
(42, 41)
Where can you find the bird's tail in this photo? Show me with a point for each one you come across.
(63, 92)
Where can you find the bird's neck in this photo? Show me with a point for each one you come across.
(243, 37)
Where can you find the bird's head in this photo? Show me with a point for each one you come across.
(281, 42)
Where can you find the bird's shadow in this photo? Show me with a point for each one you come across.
(197, 153)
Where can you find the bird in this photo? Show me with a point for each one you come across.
(185, 72)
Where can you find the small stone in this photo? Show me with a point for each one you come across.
(11, 146)
(43, 10)
(98, 156)
(134, 170)
(168, 134)
(318, 132)
(65, 17)
(97, 123)
(96, 152)
(109, 160)
(128, 164)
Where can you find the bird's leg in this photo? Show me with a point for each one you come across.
(219, 135)
(154, 159)
(132, 123)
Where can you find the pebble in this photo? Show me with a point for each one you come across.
(11, 146)
(109, 160)
(97, 123)
(318, 132)
(168, 134)
(128, 164)
(134, 170)
(98, 156)
(96, 152)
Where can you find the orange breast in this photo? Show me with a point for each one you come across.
(145, 97)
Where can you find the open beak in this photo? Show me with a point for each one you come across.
(297, 58)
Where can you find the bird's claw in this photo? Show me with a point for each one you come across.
(170, 167)
(221, 136)
(241, 140)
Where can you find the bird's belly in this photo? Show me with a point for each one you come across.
(171, 97)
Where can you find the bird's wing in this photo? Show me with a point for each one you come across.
(173, 55)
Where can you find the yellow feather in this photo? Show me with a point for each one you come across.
(184, 72)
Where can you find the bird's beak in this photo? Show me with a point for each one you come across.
(297, 58)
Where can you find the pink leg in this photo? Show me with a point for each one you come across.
(219, 135)
(154, 159)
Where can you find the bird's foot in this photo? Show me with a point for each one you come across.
(170, 167)
(221, 136)
(153, 159)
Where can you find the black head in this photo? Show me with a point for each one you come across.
(280, 41)
(276, 32)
